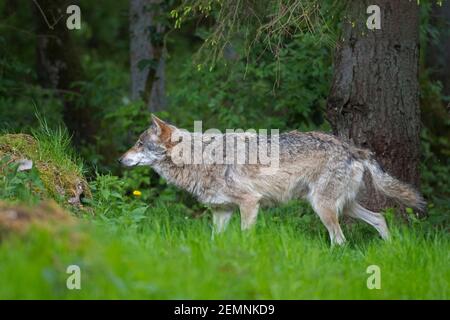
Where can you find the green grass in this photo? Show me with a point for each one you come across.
(158, 253)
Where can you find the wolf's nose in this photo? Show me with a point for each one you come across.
(119, 160)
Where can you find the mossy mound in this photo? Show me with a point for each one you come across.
(61, 176)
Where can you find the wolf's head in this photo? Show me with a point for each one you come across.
(152, 145)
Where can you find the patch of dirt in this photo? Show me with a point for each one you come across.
(19, 219)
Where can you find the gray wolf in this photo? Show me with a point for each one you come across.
(316, 166)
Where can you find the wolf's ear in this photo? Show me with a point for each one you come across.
(157, 122)
(163, 129)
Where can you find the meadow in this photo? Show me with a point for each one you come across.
(159, 253)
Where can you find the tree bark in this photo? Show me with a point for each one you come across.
(59, 66)
(374, 97)
(146, 54)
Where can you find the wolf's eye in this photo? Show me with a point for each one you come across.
(140, 144)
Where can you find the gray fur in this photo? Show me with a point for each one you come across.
(316, 166)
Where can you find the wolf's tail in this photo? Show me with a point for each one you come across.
(394, 188)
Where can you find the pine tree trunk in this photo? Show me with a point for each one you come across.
(146, 54)
(374, 98)
(59, 66)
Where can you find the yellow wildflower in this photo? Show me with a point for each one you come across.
(137, 193)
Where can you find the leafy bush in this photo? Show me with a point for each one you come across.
(435, 174)
(257, 93)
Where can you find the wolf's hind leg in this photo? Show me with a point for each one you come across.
(329, 218)
(249, 213)
(221, 218)
(375, 219)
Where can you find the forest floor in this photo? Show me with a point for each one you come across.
(128, 249)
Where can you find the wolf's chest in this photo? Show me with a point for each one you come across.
(214, 197)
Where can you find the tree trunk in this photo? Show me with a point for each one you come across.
(59, 66)
(374, 98)
(146, 54)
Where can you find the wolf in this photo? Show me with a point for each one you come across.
(315, 166)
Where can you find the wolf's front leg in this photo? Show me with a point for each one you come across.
(249, 213)
(221, 218)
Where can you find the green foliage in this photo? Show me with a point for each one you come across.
(20, 97)
(106, 91)
(113, 205)
(435, 173)
(19, 186)
(54, 145)
(256, 93)
(126, 199)
(104, 26)
(266, 23)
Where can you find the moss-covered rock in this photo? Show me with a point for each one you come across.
(61, 176)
